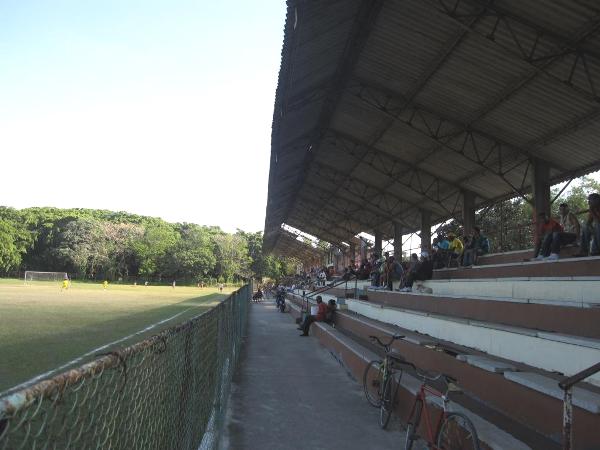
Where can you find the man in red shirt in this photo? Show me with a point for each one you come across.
(320, 317)
(546, 227)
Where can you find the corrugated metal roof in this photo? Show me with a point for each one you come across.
(386, 108)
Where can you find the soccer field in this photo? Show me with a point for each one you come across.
(43, 327)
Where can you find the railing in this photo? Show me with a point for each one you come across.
(327, 288)
(166, 392)
(567, 386)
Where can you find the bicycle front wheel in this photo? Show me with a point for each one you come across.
(387, 401)
(457, 432)
(373, 382)
(413, 424)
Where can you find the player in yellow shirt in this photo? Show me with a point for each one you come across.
(65, 283)
(105, 284)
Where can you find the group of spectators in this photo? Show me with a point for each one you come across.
(387, 272)
(464, 250)
(553, 234)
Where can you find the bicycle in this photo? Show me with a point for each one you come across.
(379, 375)
(453, 430)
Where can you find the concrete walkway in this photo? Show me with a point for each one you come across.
(290, 393)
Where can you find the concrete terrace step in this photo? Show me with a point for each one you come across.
(583, 398)
(354, 357)
(570, 267)
(518, 255)
(536, 315)
(566, 291)
(547, 351)
(536, 410)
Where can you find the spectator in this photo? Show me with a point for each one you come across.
(423, 272)
(331, 307)
(376, 269)
(545, 230)
(455, 246)
(365, 270)
(322, 277)
(478, 246)
(591, 228)
(321, 315)
(443, 242)
(569, 235)
(395, 273)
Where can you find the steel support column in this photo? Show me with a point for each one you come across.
(468, 212)
(378, 239)
(541, 187)
(425, 230)
(398, 231)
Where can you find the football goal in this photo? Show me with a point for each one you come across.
(32, 275)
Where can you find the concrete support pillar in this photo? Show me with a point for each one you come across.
(468, 212)
(541, 187)
(425, 230)
(398, 232)
(363, 250)
(378, 239)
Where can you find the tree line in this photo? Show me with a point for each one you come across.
(101, 244)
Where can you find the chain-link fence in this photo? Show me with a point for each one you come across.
(165, 392)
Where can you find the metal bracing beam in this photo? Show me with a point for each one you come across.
(492, 154)
(437, 62)
(365, 18)
(392, 203)
(397, 163)
(327, 214)
(400, 172)
(305, 224)
(366, 204)
(318, 220)
(344, 215)
(538, 46)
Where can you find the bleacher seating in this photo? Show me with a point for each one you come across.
(507, 329)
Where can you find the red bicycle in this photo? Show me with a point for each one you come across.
(453, 430)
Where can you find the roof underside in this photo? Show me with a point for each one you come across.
(384, 109)
(289, 245)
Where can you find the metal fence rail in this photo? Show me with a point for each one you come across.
(166, 392)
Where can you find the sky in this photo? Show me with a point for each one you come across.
(153, 107)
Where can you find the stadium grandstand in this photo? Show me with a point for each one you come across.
(392, 118)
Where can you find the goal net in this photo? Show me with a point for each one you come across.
(31, 275)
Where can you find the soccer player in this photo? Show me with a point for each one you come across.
(65, 283)
(105, 284)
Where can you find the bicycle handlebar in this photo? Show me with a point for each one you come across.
(386, 346)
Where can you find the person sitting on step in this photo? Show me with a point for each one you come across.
(571, 231)
(319, 317)
(456, 247)
(591, 228)
(423, 272)
(329, 316)
(395, 274)
(478, 246)
(546, 227)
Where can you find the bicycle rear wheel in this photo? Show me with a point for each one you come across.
(413, 424)
(457, 432)
(373, 382)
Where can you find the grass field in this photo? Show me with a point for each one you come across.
(43, 327)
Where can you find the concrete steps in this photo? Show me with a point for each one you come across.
(570, 267)
(548, 351)
(488, 376)
(583, 292)
(354, 357)
(519, 255)
(539, 316)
